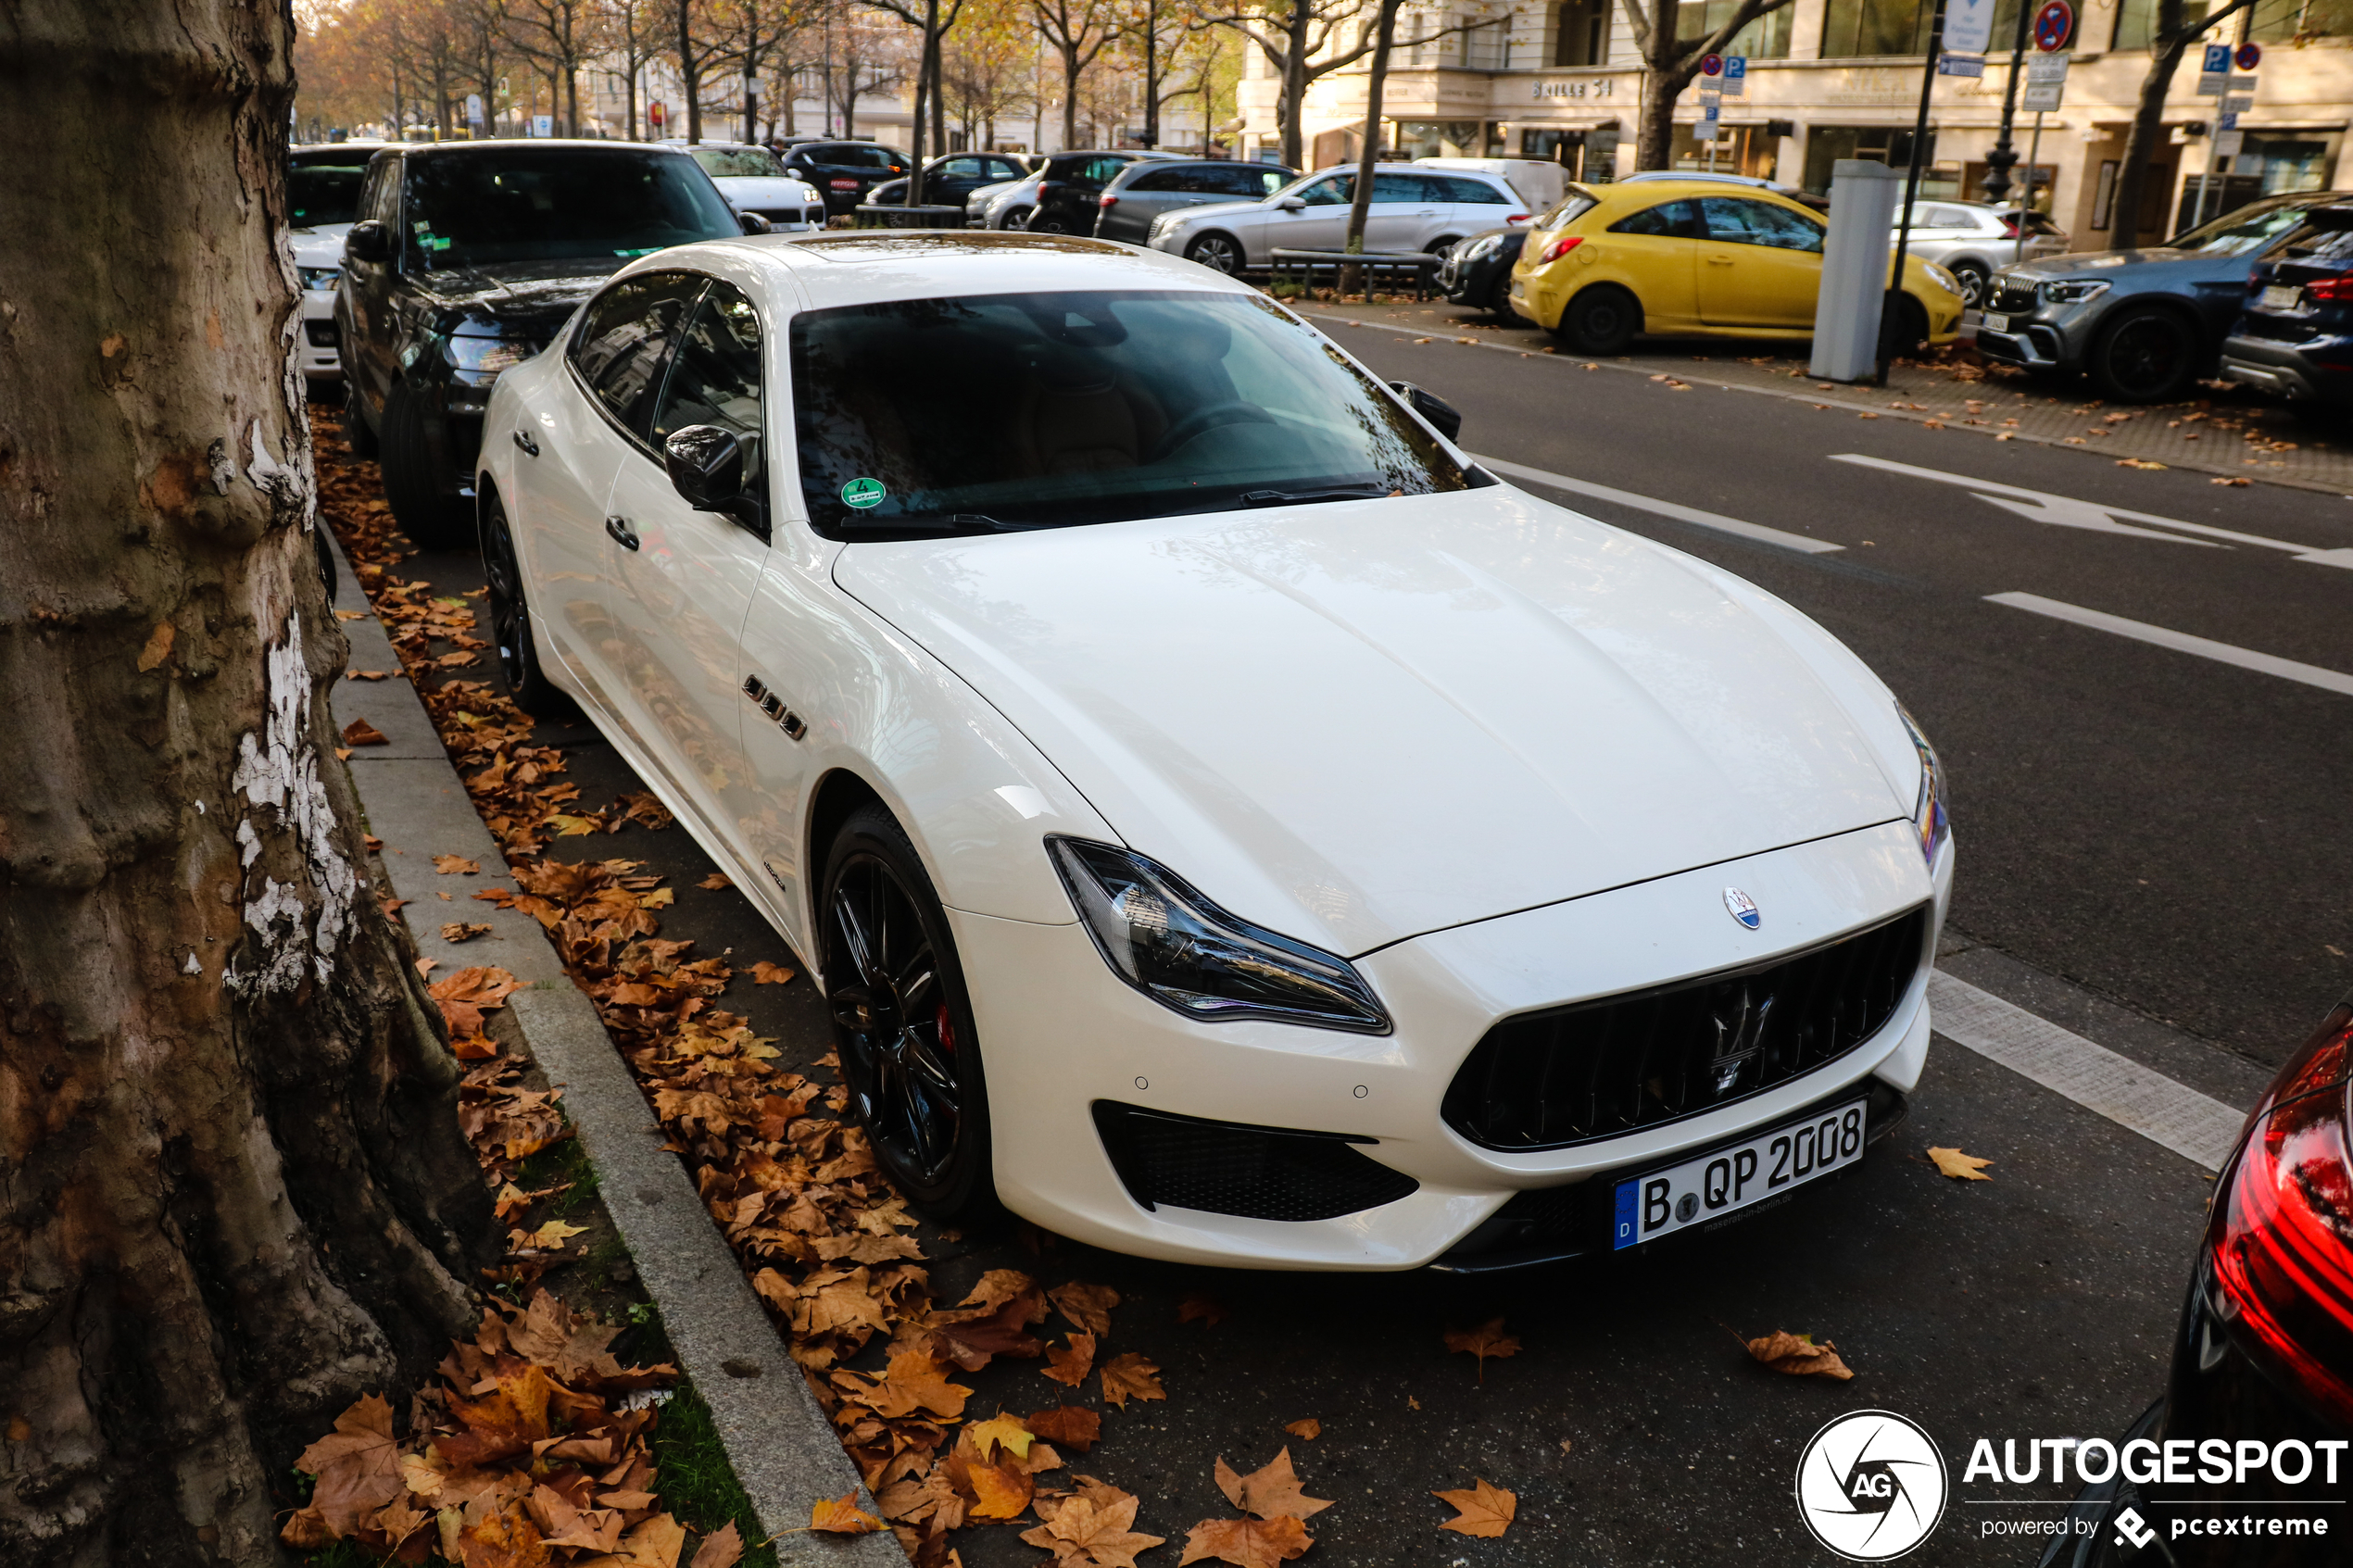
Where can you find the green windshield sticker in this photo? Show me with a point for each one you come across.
(864, 493)
(642, 250)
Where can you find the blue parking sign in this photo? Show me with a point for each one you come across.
(2218, 58)
(1736, 65)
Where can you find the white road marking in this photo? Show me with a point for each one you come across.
(2181, 642)
(2067, 511)
(1756, 531)
(2138, 1097)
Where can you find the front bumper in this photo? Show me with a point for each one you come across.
(2293, 370)
(1061, 1034)
(319, 353)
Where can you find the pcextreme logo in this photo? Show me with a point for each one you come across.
(1871, 1486)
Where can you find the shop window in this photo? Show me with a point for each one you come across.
(1767, 38)
(1890, 145)
(1855, 28)
(2136, 22)
(2295, 22)
(1583, 38)
(1440, 138)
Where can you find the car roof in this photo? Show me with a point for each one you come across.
(493, 146)
(863, 265)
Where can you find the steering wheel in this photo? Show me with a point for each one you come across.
(1231, 412)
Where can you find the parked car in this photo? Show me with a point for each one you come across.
(2143, 324)
(322, 200)
(2264, 1358)
(753, 180)
(845, 171)
(1476, 271)
(1005, 205)
(1540, 181)
(1689, 256)
(2295, 339)
(1072, 183)
(1131, 943)
(1974, 240)
(1141, 192)
(466, 259)
(1802, 197)
(1411, 209)
(948, 180)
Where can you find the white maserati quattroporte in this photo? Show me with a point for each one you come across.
(1227, 824)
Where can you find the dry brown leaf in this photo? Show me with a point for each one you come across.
(1486, 1339)
(1960, 1167)
(1004, 1431)
(1310, 1429)
(1000, 1490)
(1271, 1493)
(1247, 1543)
(358, 1466)
(456, 865)
(842, 1516)
(159, 646)
(1798, 1355)
(1087, 1306)
(1093, 1529)
(766, 973)
(1130, 1377)
(1210, 1311)
(719, 1550)
(1483, 1510)
(463, 931)
(1070, 1364)
(366, 674)
(361, 732)
(1072, 1426)
(715, 882)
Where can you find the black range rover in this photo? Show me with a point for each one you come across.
(465, 260)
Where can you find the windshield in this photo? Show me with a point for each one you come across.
(476, 209)
(1566, 211)
(2242, 233)
(738, 163)
(1050, 409)
(324, 192)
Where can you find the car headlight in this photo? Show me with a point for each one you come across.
(489, 356)
(1928, 810)
(318, 276)
(2074, 291)
(1945, 279)
(1191, 957)
(1162, 225)
(1486, 245)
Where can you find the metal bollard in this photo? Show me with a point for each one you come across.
(1853, 290)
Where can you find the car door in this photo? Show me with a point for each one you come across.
(370, 324)
(1760, 266)
(680, 579)
(1406, 213)
(613, 367)
(1656, 253)
(1321, 223)
(1149, 192)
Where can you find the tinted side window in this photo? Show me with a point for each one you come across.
(1329, 191)
(1476, 192)
(714, 376)
(624, 337)
(1269, 182)
(1668, 220)
(959, 168)
(1164, 180)
(1740, 221)
(383, 197)
(1403, 188)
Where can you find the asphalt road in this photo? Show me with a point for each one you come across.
(2164, 831)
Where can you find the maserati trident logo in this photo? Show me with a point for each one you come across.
(1743, 908)
(1870, 1485)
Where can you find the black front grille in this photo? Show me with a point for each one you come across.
(320, 331)
(1255, 1172)
(1598, 1070)
(2010, 299)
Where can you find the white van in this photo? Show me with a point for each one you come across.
(1542, 183)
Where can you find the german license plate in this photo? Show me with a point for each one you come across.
(1709, 1186)
(844, 184)
(1992, 323)
(2282, 297)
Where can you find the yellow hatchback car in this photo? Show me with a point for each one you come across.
(1694, 256)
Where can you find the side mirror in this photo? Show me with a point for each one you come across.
(369, 241)
(706, 466)
(755, 224)
(1292, 204)
(1443, 415)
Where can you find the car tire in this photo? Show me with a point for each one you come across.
(1601, 320)
(2147, 355)
(1972, 278)
(1905, 330)
(357, 434)
(1499, 300)
(1217, 251)
(903, 1021)
(1016, 218)
(432, 521)
(512, 645)
(1053, 223)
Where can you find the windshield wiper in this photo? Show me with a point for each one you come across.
(1329, 493)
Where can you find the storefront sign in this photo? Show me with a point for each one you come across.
(1600, 89)
(1968, 28)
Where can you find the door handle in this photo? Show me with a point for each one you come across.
(1720, 261)
(622, 534)
(530, 447)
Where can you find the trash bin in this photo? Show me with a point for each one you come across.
(1854, 289)
(872, 217)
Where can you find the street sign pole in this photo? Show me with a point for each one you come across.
(1912, 179)
(2034, 148)
(1998, 161)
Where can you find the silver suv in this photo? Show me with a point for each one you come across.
(1411, 208)
(1974, 240)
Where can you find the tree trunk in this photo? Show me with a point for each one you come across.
(1361, 199)
(233, 1194)
(686, 83)
(1151, 76)
(1294, 97)
(2175, 32)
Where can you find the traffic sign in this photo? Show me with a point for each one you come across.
(1969, 26)
(2250, 56)
(1961, 65)
(1711, 65)
(2227, 122)
(1735, 67)
(2053, 26)
(1712, 112)
(2045, 83)
(2218, 59)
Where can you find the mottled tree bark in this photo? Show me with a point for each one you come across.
(233, 1195)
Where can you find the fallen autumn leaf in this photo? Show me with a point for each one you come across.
(1486, 1339)
(1960, 1167)
(1799, 1356)
(1483, 1510)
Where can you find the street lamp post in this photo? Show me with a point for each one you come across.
(1999, 161)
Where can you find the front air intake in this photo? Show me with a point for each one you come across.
(1254, 1173)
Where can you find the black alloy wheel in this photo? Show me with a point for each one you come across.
(1499, 300)
(902, 1020)
(1902, 329)
(432, 520)
(1603, 319)
(1017, 218)
(357, 434)
(1220, 253)
(1971, 276)
(517, 650)
(2144, 356)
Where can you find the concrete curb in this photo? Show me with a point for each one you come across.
(781, 1444)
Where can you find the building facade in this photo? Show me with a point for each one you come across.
(1833, 78)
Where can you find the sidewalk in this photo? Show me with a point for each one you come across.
(2230, 432)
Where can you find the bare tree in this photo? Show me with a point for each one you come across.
(1077, 30)
(236, 1197)
(932, 22)
(985, 66)
(1669, 61)
(701, 45)
(863, 60)
(560, 36)
(2173, 31)
(632, 32)
(1360, 199)
(1296, 38)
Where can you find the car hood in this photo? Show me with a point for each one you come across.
(526, 294)
(757, 190)
(321, 247)
(2135, 268)
(1360, 721)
